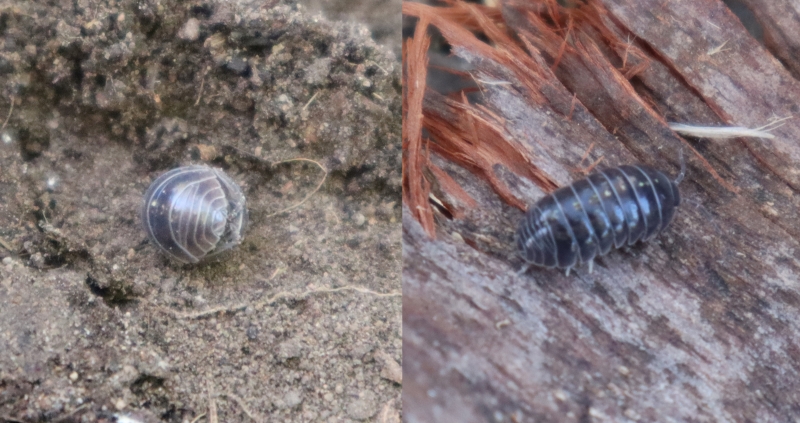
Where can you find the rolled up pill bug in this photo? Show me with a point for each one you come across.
(194, 212)
(613, 207)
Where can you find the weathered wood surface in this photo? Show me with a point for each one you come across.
(702, 324)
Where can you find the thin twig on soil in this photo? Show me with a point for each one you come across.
(10, 109)
(311, 100)
(276, 297)
(277, 272)
(371, 63)
(6, 245)
(71, 413)
(202, 84)
(212, 405)
(311, 193)
(243, 406)
(273, 164)
(387, 414)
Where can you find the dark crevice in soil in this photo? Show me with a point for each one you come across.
(116, 295)
(145, 383)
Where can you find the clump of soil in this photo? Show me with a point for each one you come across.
(299, 323)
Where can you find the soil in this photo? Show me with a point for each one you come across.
(380, 16)
(302, 322)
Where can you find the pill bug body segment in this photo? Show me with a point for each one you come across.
(194, 212)
(610, 208)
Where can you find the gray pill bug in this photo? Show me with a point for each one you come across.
(194, 212)
(614, 207)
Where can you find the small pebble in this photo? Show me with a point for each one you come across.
(292, 398)
(52, 182)
(363, 407)
(37, 260)
(205, 152)
(359, 219)
(252, 333)
(190, 30)
(7, 137)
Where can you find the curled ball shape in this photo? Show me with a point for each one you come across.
(194, 212)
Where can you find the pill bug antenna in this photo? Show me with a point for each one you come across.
(683, 167)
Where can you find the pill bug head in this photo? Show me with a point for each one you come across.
(535, 241)
(194, 212)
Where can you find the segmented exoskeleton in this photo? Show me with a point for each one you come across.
(194, 212)
(614, 207)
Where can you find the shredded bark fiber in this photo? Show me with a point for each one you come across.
(701, 323)
(415, 187)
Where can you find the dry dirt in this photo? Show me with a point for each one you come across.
(299, 323)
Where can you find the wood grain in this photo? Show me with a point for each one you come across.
(701, 324)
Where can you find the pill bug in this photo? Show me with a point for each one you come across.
(194, 212)
(614, 207)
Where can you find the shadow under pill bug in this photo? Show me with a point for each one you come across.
(614, 207)
(194, 212)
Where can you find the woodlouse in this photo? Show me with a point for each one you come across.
(617, 206)
(194, 212)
